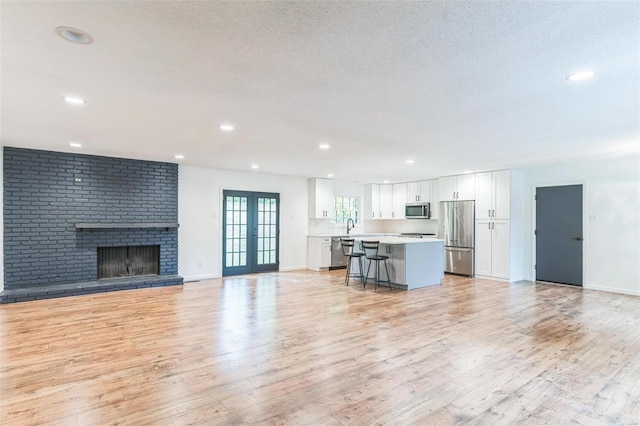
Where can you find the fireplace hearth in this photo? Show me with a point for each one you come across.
(115, 262)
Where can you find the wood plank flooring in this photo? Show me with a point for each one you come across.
(302, 348)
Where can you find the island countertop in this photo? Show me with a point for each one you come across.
(413, 262)
(399, 240)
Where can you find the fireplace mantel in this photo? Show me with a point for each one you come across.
(126, 225)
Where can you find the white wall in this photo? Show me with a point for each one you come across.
(611, 218)
(200, 217)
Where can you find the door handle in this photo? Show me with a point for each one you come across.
(489, 212)
(488, 225)
(578, 238)
(493, 213)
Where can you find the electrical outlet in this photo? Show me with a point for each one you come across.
(199, 264)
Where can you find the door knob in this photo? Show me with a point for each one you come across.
(577, 238)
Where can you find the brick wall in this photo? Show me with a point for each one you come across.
(47, 193)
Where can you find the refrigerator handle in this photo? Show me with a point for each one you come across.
(488, 225)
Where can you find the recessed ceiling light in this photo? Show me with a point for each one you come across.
(75, 144)
(410, 161)
(179, 157)
(324, 146)
(255, 166)
(74, 35)
(580, 75)
(466, 172)
(330, 175)
(227, 127)
(74, 100)
(386, 181)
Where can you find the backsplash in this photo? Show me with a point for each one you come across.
(400, 226)
(323, 227)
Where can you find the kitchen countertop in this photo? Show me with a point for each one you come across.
(353, 235)
(388, 238)
(402, 240)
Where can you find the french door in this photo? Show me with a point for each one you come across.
(251, 232)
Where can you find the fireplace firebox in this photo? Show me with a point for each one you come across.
(114, 262)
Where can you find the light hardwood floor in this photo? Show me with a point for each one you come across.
(301, 348)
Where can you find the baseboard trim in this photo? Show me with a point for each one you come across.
(291, 268)
(486, 277)
(613, 290)
(188, 278)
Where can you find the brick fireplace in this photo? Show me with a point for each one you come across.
(60, 209)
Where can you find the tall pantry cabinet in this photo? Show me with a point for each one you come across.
(493, 224)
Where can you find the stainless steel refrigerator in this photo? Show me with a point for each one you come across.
(457, 228)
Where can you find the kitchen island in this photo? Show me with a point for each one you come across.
(413, 262)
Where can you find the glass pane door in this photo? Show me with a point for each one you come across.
(250, 232)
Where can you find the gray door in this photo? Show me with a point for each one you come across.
(559, 234)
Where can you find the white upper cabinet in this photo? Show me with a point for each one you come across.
(492, 195)
(378, 201)
(435, 198)
(484, 199)
(466, 187)
(375, 201)
(320, 198)
(399, 200)
(386, 202)
(447, 188)
(419, 192)
(461, 187)
(502, 194)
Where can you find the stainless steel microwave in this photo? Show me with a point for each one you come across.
(417, 211)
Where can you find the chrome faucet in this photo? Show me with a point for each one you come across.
(353, 225)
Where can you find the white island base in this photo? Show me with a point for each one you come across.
(413, 262)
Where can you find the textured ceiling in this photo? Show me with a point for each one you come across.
(454, 85)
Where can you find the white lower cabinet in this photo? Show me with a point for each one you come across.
(492, 248)
(318, 253)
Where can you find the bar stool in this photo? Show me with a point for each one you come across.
(370, 249)
(347, 249)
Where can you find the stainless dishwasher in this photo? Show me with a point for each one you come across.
(338, 259)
